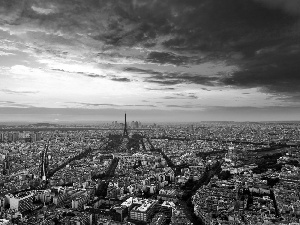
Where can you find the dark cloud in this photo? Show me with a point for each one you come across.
(109, 105)
(160, 89)
(140, 106)
(209, 25)
(142, 71)
(93, 75)
(263, 34)
(94, 104)
(183, 106)
(120, 79)
(192, 96)
(169, 97)
(167, 58)
(14, 104)
(173, 78)
(290, 98)
(289, 6)
(181, 96)
(276, 72)
(164, 82)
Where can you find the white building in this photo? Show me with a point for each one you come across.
(22, 201)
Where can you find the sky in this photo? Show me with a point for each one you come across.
(164, 61)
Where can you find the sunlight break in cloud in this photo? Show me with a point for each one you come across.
(5, 53)
(43, 10)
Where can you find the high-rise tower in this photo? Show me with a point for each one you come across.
(45, 162)
(6, 166)
(125, 133)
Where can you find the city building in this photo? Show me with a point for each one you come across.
(22, 201)
(143, 212)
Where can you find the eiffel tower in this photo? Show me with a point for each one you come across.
(125, 138)
(125, 132)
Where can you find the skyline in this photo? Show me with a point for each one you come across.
(173, 61)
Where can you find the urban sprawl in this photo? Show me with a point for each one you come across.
(135, 173)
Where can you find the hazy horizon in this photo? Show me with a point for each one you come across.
(75, 115)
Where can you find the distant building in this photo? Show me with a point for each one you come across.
(33, 137)
(6, 166)
(13, 137)
(10, 137)
(79, 202)
(38, 136)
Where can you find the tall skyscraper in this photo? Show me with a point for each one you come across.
(33, 137)
(15, 136)
(10, 137)
(1, 137)
(6, 166)
(38, 136)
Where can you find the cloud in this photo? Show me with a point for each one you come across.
(5, 53)
(167, 58)
(189, 106)
(164, 82)
(259, 37)
(111, 77)
(43, 11)
(139, 106)
(86, 74)
(160, 89)
(120, 79)
(290, 6)
(94, 75)
(7, 91)
(7, 102)
(199, 25)
(93, 104)
(142, 71)
(14, 104)
(109, 105)
(276, 72)
(181, 96)
(173, 78)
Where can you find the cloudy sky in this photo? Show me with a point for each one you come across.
(159, 60)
